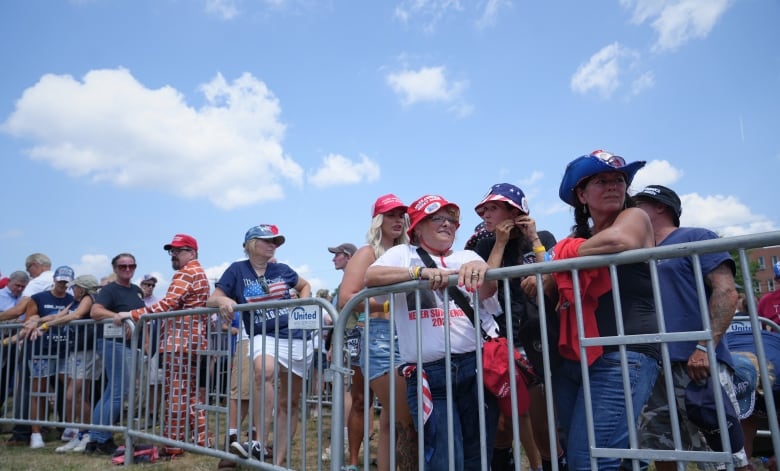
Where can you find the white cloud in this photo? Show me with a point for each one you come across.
(723, 214)
(535, 176)
(15, 233)
(677, 21)
(601, 74)
(97, 265)
(215, 273)
(339, 170)
(429, 84)
(656, 172)
(226, 9)
(644, 82)
(110, 127)
(428, 12)
(490, 12)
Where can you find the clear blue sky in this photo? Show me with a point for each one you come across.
(125, 122)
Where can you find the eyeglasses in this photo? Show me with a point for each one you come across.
(440, 220)
(131, 266)
(615, 161)
(178, 250)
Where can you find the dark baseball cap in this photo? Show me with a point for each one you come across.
(701, 410)
(346, 248)
(664, 196)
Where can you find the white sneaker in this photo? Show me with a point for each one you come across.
(82, 445)
(36, 441)
(69, 446)
(69, 434)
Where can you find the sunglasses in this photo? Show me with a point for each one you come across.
(148, 285)
(131, 266)
(440, 220)
(177, 251)
(612, 160)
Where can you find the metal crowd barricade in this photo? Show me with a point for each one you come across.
(68, 394)
(634, 454)
(204, 422)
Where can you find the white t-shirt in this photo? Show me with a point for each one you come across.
(462, 336)
(39, 284)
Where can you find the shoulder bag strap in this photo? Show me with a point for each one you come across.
(456, 294)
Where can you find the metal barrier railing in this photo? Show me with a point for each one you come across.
(145, 415)
(652, 255)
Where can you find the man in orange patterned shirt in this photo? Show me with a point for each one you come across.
(181, 338)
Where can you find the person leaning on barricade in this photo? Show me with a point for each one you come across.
(513, 240)
(690, 361)
(9, 296)
(254, 280)
(47, 347)
(389, 223)
(595, 185)
(113, 347)
(180, 338)
(433, 224)
(81, 364)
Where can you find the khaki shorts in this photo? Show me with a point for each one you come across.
(242, 371)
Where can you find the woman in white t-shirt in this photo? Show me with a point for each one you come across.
(433, 223)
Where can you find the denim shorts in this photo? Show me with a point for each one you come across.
(379, 349)
(43, 368)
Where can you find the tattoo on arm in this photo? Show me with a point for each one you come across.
(723, 299)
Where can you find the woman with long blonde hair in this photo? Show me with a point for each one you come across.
(388, 228)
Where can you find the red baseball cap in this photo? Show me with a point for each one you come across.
(423, 207)
(496, 378)
(387, 203)
(182, 240)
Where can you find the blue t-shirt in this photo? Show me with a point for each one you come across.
(48, 304)
(678, 291)
(54, 339)
(241, 283)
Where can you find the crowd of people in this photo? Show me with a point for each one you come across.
(415, 242)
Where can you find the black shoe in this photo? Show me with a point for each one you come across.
(232, 438)
(245, 450)
(91, 447)
(107, 448)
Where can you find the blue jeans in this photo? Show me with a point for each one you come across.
(609, 408)
(465, 414)
(117, 361)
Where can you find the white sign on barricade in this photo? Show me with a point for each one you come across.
(305, 317)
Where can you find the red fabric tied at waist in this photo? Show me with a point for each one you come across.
(594, 283)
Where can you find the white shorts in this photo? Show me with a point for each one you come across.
(82, 365)
(297, 363)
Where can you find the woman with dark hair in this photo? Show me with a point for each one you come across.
(513, 240)
(595, 185)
